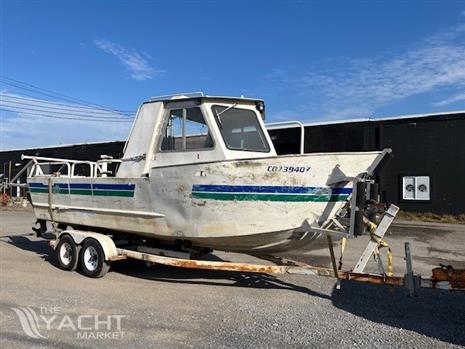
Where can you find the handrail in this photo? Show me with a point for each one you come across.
(18, 175)
(90, 163)
(302, 131)
(96, 167)
(51, 159)
(37, 165)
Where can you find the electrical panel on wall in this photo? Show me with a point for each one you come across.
(416, 188)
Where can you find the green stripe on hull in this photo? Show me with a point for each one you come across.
(128, 194)
(120, 193)
(76, 191)
(38, 190)
(269, 197)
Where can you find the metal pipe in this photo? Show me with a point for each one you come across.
(52, 159)
(58, 161)
(29, 164)
(272, 125)
(333, 258)
(9, 174)
(184, 118)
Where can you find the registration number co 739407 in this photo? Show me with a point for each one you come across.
(290, 169)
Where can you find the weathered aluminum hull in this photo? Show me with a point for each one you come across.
(254, 206)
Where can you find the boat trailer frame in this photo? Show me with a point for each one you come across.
(442, 278)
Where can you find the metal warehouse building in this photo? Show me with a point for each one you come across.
(426, 174)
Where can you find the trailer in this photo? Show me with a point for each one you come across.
(94, 252)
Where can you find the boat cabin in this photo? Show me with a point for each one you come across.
(193, 128)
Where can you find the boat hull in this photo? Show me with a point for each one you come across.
(254, 206)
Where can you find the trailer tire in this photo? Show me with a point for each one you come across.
(92, 259)
(67, 253)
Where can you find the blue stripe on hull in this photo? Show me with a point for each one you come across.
(114, 186)
(269, 189)
(88, 186)
(37, 185)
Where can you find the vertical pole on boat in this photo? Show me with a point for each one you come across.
(50, 209)
(333, 261)
(184, 118)
(9, 176)
(353, 208)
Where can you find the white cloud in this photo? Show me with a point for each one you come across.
(137, 63)
(453, 99)
(434, 64)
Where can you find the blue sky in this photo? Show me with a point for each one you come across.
(309, 60)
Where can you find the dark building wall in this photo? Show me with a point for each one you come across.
(338, 138)
(76, 152)
(358, 136)
(286, 140)
(431, 146)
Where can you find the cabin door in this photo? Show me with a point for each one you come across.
(185, 138)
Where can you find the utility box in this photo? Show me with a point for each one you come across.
(416, 188)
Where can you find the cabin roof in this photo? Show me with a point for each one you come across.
(201, 96)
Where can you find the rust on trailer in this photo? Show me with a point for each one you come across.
(448, 275)
(372, 278)
(118, 257)
(197, 264)
(303, 269)
(225, 266)
(445, 277)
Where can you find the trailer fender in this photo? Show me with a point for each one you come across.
(78, 236)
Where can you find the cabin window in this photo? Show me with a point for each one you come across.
(240, 129)
(186, 130)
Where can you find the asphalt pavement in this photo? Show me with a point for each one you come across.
(137, 306)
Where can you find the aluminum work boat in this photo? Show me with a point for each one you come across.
(201, 172)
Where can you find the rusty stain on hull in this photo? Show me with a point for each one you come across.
(182, 188)
(246, 163)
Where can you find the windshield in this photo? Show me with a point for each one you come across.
(240, 129)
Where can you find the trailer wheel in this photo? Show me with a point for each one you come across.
(67, 253)
(92, 259)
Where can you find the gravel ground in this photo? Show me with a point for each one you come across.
(179, 308)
